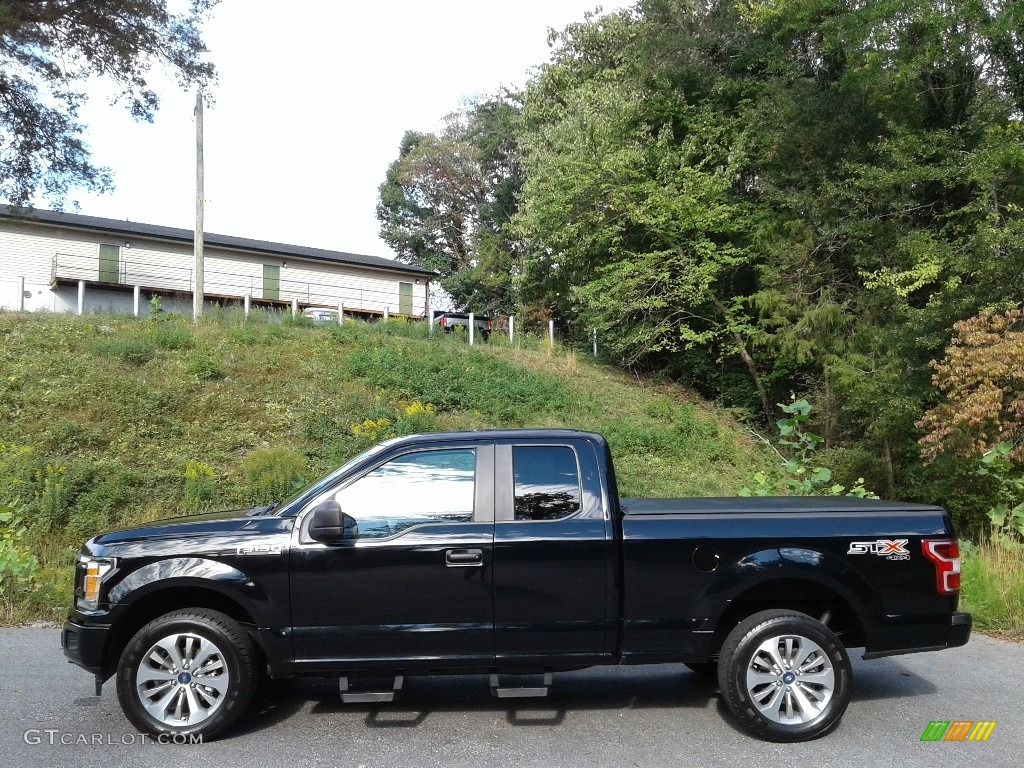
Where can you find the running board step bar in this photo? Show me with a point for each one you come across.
(369, 697)
(504, 692)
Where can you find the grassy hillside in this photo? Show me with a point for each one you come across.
(108, 420)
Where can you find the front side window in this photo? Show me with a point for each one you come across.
(547, 482)
(415, 488)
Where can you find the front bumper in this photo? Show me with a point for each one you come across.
(84, 645)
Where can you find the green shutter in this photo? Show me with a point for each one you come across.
(405, 298)
(110, 257)
(271, 281)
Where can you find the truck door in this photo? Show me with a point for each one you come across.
(412, 581)
(553, 555)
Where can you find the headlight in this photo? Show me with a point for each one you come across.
(93, 569)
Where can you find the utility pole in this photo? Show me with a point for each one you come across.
(197, 293)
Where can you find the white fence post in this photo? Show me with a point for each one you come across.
(21, 294)
(295, 307)
(136, 300)
(472, 328)
(81, 297)
(511, 329)
(248, 304)
(387, 314)
(551, 335)
(430, 328)
(341, 312)
(595, 342)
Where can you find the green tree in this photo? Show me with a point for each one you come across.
(447, 199)
(630, 215)
(49, 49)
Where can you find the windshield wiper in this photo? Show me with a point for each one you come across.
(260, 511)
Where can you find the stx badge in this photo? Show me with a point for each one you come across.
(895, 549)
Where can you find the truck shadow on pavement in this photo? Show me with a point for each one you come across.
(596, 689)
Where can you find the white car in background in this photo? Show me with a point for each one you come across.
(321, 315)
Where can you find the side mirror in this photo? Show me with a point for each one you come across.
(329, 523)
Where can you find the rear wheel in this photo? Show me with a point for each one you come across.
(187, 672)
(784, 676)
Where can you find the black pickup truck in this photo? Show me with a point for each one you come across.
(509, 553)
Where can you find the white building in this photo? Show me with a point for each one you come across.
(47, 258)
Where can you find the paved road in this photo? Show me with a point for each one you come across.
(632, 716)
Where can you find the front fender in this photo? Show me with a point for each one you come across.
(192, 572)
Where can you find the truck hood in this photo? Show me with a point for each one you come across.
(205, 525)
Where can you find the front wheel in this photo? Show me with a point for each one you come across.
(187, 672)
(784, 676)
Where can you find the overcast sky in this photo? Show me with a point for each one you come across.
(312, 102)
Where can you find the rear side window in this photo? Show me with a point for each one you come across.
(547, 482)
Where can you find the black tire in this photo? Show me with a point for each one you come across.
(196, 666)
(796, 693)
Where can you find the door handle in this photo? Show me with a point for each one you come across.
(463, 558)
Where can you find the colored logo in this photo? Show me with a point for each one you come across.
(958, 730)
(895, 549)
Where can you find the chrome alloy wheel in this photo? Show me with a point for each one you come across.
(182, 679)
(790, 679)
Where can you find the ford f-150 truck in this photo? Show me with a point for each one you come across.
(509, 553)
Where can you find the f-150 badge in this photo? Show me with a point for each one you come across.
(895, 549)
(259, 549)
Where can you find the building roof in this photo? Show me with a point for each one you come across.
(159, 232)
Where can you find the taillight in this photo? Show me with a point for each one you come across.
(488, 325)
(443, 321)
(945, 556)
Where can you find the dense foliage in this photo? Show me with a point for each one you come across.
(776, 197)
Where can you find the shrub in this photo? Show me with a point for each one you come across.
(801, 475)
(204, 366)
(257, 332)
(17, 471)
(170, 334)
(200, 485)
(125, 348)
(51, 506)
(1007, 516)
(19, 568)
(415, 418)
(66, 435)
(274, 473)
